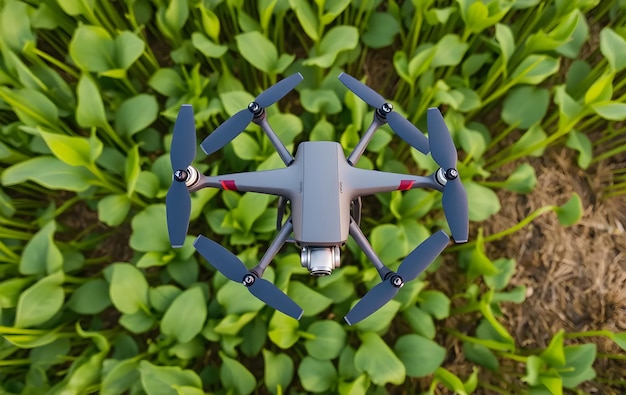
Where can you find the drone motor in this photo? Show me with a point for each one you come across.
(320, 260)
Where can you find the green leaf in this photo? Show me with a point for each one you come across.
(283, 330)
(286, 126)
(206, 46)
(619, 339)
(338, 39)
(449, 51)
(611, 110)
(167, 82)
(380, 319)
(128, 48)
(234, 375)
(522, 180)
(601, 89)
(15, 25)
(90, 110)
(554, 354)
(436, 303)
(185, 317)
(40, 302)
(578, 364)
(506, 40)
(376, 359)
(571, 211)
(49, 172)
(129, 289)
(162, 296)
(381, 30)
(236, 300)
(320, 101)
(135, 114)
(450, 380)
(139, 322)
(329, 338)
(525, 105)
(534, 69)
(307, 18)
(232, 324)
(613, 47)
(92, 49)
(11, 289)
(312, 302)
(150, 230)
(421, 322)
(113, 209)
(119, 378)
(91, 297)
(535, 136)
(160, 380)
(420, 356)
(483, 202)
(39, 111)
(481, 355)
(581, 143)
(75, 151)
(41, 255)
(278, 371)
(506, 269)
(389, 242)
(316, 375)
(259, 51)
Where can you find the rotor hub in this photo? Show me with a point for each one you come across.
(181, 175)
(248, 280)
(255, 108)
(396, 281)
(452, 173)
(384, 110)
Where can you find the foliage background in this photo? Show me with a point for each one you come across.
(93, 298)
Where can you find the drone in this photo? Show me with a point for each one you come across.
(323, 189)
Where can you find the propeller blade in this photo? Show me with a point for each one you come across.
(441, 145)
(376, 298)
(183, 149)
(221, 259)
(227, 131)
(271, 295)
(277, 91)
(454, 201)
(178, 209)
(408, 132)
(422, 256)
(363, 91)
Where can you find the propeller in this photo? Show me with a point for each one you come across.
(230, 266)
(236, 124)
(454, 198)
(411, 267)
(400, 125)
(182, 153)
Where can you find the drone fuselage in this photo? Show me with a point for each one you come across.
(320, 199)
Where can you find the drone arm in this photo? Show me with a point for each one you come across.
(273, 182)
(273, 249)
(367, 249)
(286, 157)
(367, 182)
(358, 150)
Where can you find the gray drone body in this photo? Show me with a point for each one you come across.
(324, 191)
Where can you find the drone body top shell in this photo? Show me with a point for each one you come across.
(322, 186)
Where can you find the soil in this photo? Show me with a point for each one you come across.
(575, 277)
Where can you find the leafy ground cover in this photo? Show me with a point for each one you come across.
(94, 300)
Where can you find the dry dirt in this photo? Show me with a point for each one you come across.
(575, 276)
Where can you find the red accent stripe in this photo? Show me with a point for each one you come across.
(228, 185)
(405, 185)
